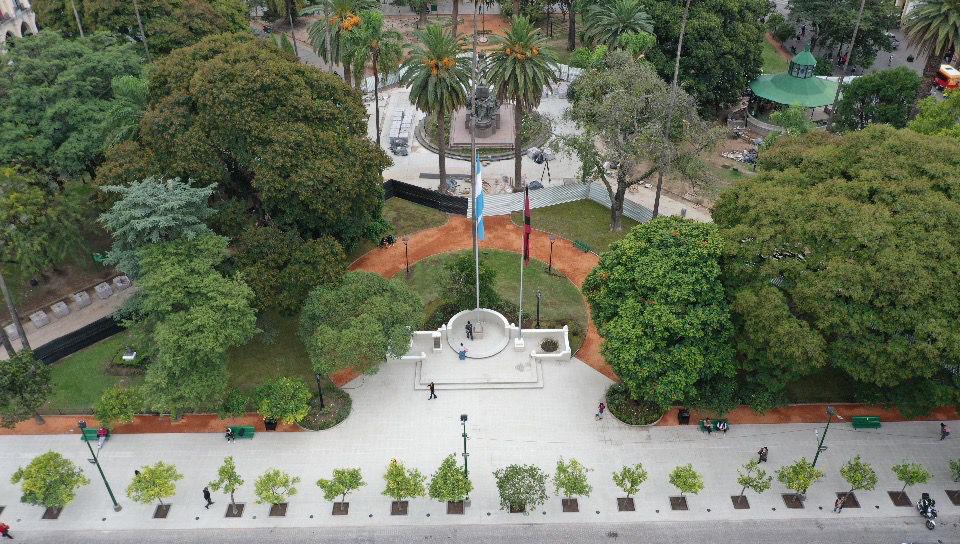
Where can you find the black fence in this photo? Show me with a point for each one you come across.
(425, 197)
(73, 342)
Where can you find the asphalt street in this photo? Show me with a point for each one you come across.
(896, 530)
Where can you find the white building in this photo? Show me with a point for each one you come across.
(16, 19)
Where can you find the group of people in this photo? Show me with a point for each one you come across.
(720, 425)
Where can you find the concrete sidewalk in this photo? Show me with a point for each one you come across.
(391, 419)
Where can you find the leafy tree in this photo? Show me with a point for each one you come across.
(658, 301)
(458, 286)
(438, 75)
(41, 225)
(275, 487)
(521, 487)
(881, 97)
(832, 24)
(281, 10)
(589, 58)
(521, 67)
(721, 51)
(754, 477)
(570, 480)
(50, 480)
(911, 474)
(382, 48)
(938, 117)
(153, 211)
(637, 43)
(606, 22)
(816, 247)
(403, 483)
(629, 479)
(449, 483)
(932, 28)
(686, 479)
(191, 315)
(954, 470)
(859, 475)
(154, 483)
(799, 476)
(345, 480)
(620, 112)
(283, 399)
(228, 479)
(56, 94)
(118, 404)
(122, 120)
(24, 387)
(795, 120)
(779, 27)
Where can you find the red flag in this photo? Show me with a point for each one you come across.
(526, 227)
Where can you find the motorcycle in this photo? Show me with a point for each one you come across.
(927, 508)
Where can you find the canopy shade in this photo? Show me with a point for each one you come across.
(809, 92)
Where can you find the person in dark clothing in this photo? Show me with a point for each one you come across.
(5, 531)
(469, 330)
(206, 497)
(763, 454)
(230, 435)
(433, 394)
(944, 431)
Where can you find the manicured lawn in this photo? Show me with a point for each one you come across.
(276, 352)
(580, 220)
(406, 218)
(561, 302)
(773, 62)
(80, 379)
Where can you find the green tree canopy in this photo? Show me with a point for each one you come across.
(228, 479)
(403, 483)
(754, 477)
(154, 483)
(629, 479)
(799, 476)
(844, 251)
(50, 480)
(911, 474)
(56, 94)
(122, 120)
(283, 399)
(606, 22)
(832, 22)
(345, 480)
(881, 97)
(686, 479)
(933, 28)
(570, 479)
(449, 483)
(118, 404)
(939, 117)
(24, 387)
(658, 301)
(521, 487)
(859, 475)
(275, 487)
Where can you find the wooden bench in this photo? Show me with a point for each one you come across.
(713, 425)
(90, 435)
(866, 422)
(243, 431)
(582, 246)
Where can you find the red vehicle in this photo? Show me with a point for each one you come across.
(947, 78)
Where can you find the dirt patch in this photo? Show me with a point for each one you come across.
(740, 502)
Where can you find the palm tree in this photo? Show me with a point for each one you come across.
(606, 22)
(438, 76)
(933, 27)
(122, 119)
(370, 42)
(328, 35)
(521, 68)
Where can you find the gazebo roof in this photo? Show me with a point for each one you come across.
(811, 92)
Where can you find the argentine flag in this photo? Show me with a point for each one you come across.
(478, 205)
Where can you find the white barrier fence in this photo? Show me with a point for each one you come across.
(506, 203)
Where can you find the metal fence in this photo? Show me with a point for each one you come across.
(73, 342)
(506, 203)
(425, 197)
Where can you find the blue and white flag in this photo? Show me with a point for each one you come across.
(478, 205)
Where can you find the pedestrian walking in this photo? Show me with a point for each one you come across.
(838, 505)
(890, 60)
(433, 393)
(469, 330)
(944, 431)
(230, 435)
(136, 473)
(803, 30)
(206, 497)
(600, 410)
(5, 531)
(763, 454)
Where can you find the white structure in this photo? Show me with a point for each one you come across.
(16, 20)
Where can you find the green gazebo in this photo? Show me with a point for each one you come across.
(797, 86)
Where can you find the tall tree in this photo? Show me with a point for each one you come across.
(438, 75)
(24, 387)
(329, 36)
(886, 96)
(122, 120)
(521, 68)
(382, 48)
(933, 27)
(832, 23)
(606, 22)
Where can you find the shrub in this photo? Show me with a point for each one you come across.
(118, 405)
(235, 404)
(549, 345)
(284, 399)
(627, 410)
(521, 487)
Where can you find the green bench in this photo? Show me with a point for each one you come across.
(866, 422)
(90, 435)
(582, 246)
(243, 431)
(713, 425)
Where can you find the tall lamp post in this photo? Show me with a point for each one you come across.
(539, 296)
(116, 506)
(820, 447)
(463, 422)
(553, 238)
(406, 252)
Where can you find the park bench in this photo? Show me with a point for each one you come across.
(243, 431)
(90, 435)
(713, 425)
(582, 246)
(866, 422)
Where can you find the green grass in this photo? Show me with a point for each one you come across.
(80, 379)
(580, 220)
(561, 302)
(773, 62)
(406, 218)
(825, 385)
(278, 351)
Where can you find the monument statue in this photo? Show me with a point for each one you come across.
(483, 111)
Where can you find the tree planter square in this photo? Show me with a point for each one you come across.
(234, 510)
(570, 505)
(517, 509)
(792, 500)
(161, 511)
(678, 503)
(740, 502)
(899, 498)
(341, 508)
(278, 510)
(2, 508)
(399, 508)
(455, 507)
(625, 504)
(954, 495)
(850, 501)
(51, 513)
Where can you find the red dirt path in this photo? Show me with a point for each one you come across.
(193, 423)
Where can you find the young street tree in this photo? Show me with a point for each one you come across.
(521, 487)
(50, 480)
(344, 481)
(154, 483)
(859, 475)
(686, 479)
(228, 480)
(275, 487)
(24, 387)
(799, 476)
(629, 479)
(753, 477)
(403, 483)
(620, 111)
(449, 483)
(911, 474)
(570, 479)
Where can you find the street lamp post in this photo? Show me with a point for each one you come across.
(553, 238)
(319, 390)
(820, 447)
(466, 473)
(406, 252)
(539, 296)
(116, 506)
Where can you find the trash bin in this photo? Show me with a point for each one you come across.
(683, 416)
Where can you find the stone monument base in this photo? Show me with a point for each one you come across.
(499, 135)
